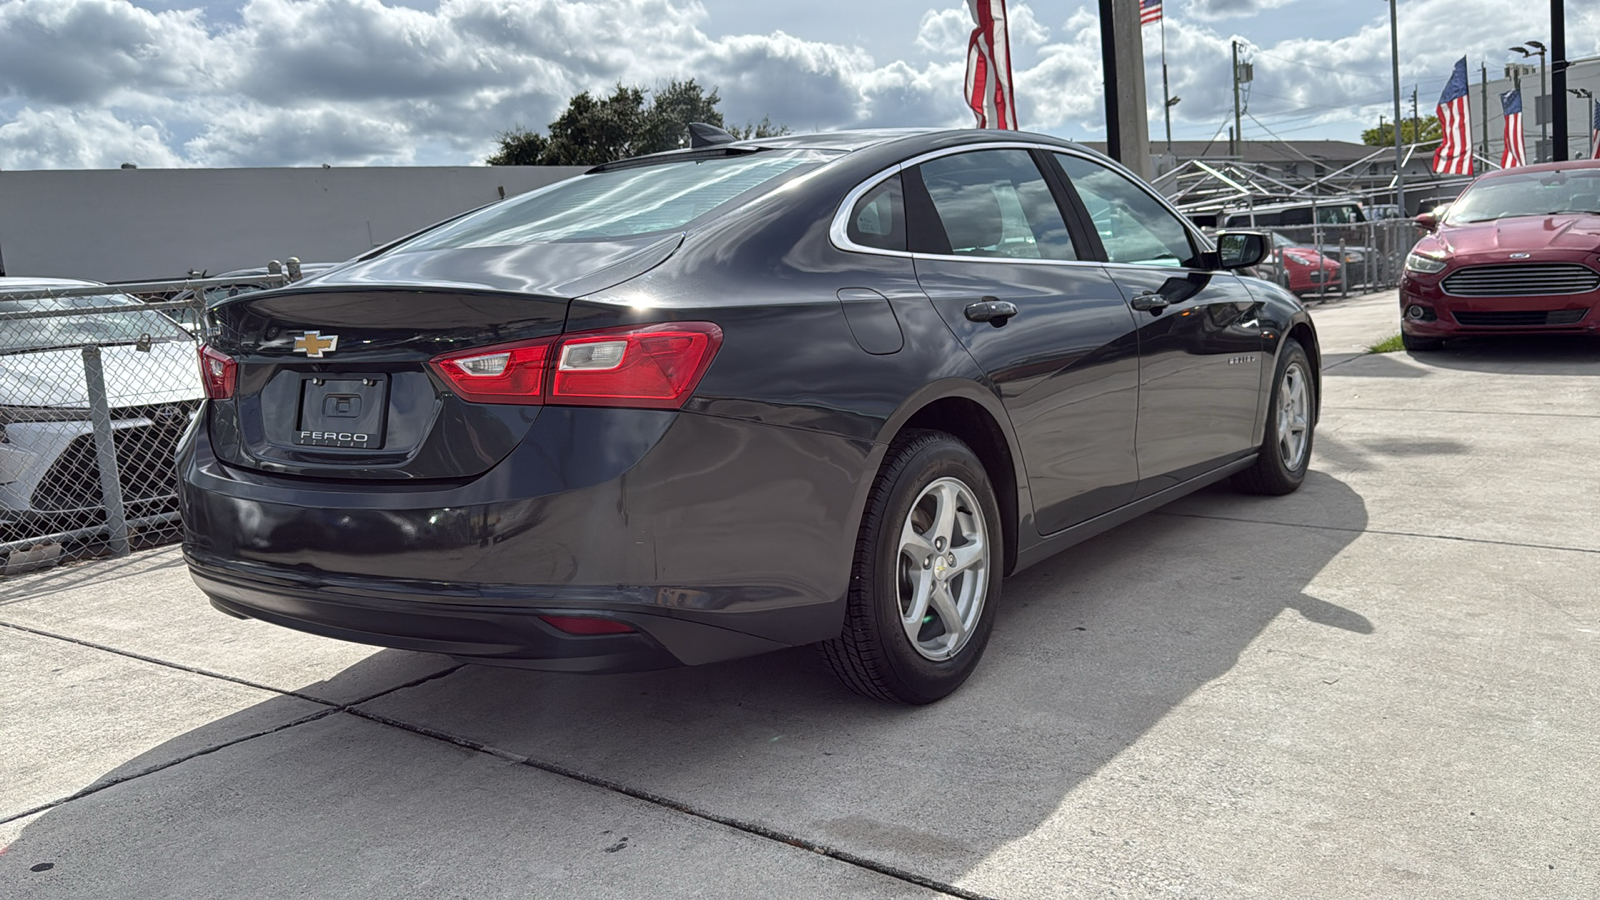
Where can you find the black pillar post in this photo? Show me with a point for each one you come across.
(1558, 78)
(1108, 61)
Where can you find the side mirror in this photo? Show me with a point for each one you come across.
(1427, 222)
(1241, 249)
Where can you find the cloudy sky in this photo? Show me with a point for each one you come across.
(168, 83)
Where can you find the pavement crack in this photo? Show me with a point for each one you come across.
(1348, 530)
(1465, 412)
(677, 806)
(99, 786)
(193, 670)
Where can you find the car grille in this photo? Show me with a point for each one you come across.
(1528, 317)
(145, 468)
(1523, 280)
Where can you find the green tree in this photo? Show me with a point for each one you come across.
(672, 108)
(1383, 135)
(519, 147)
(594, 130)
(761, 129)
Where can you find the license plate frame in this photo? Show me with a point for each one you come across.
(344, 411)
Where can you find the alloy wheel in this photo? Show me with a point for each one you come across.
(943, 569)
(1294, 416)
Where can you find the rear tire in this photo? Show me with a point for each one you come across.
(926, 574)
(1420, 344)
(1285, 453)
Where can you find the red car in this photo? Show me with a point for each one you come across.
(1301, 269)
(1517, 253)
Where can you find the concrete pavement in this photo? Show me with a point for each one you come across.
(1380, 686)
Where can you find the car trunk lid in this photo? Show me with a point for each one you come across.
(333, 378)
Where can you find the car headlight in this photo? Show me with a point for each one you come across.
(1353, 257)
(1427, 265)
(1295, 260)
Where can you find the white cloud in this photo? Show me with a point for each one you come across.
(1227, 9)
(94, 139)
(348, 82)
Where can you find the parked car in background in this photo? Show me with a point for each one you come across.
(1299, 268)
(811, 389)
(1516, 253)
(49, 474)
(243, 281)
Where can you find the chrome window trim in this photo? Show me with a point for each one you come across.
(839, 234)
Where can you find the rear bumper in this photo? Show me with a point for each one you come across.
(505, 633)
(713, 538)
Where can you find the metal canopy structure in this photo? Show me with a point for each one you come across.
(1208, 185)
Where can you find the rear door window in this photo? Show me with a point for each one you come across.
(993, 203)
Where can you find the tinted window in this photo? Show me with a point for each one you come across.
(1133, 227)
(995, 203)
(879, 218)
(620, 203)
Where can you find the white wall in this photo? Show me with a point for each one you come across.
(143, 224)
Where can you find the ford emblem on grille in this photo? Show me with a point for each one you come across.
(1520, 255)
(315, 343)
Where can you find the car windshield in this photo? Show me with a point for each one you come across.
(91, 328)
(620, 203)
(1528, 194)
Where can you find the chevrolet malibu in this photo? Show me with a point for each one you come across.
(820, 389)
(1517, 253)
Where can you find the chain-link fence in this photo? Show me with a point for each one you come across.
(97, 385)
(1331, 261)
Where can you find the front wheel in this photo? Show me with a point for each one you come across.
(1285, 452)
(926, 574)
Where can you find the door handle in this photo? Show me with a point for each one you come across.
(1152, 302)
(991, 310)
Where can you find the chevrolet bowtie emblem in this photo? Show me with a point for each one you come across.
(315, 343)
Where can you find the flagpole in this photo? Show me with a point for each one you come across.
(1166, 99)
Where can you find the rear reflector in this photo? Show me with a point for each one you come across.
(639, 366)
(587, 625)
(219, 372)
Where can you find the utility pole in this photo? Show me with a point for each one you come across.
(1399, 153)
(1484, 105)
(1127, 120)
(1558, 52)
(1238, 149)
(1416, 117)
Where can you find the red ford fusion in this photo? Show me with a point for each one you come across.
(1517, 253)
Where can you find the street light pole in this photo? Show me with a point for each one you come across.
(1549, 105)
(1399, 152)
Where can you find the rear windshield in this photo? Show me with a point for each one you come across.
(91, 328)
(1528, 194)
(621, 203)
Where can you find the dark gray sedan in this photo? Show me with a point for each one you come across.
(819, 389)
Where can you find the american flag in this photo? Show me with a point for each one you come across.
(1454, 156)
(1149, 11)
(1594, 133)
(1514, 154)
(989, 66)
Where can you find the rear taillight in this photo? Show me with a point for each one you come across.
(219, 372)
(513, 373)
(642, 366)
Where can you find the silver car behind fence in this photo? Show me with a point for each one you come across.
(97, 384)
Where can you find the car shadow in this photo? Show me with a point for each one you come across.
(1554, 354)
(1091, 649)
